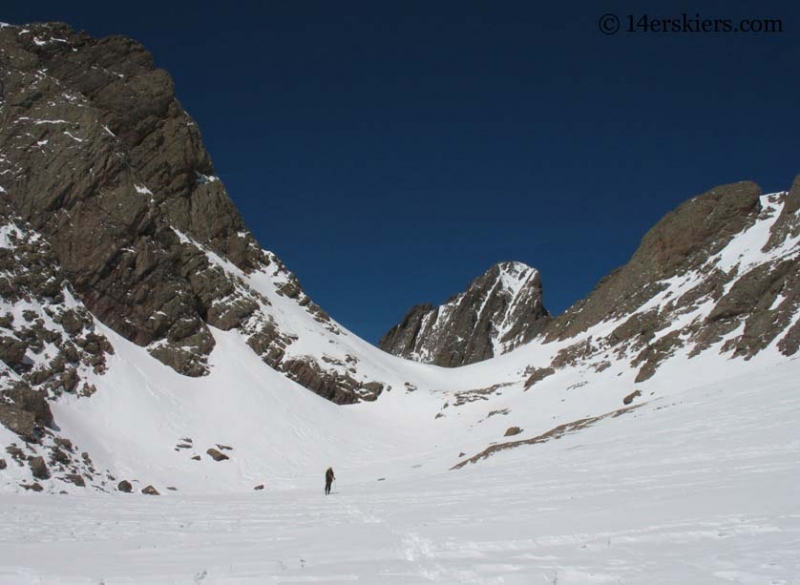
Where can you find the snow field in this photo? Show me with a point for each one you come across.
(699, 488)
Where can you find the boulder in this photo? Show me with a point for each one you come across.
(75, 478)
(25, 412)
(64, 443)
(12, 352)
(38, 468)
(629, 398)
(537, 375)
(216, 455)
(17, 454)
(58, 456)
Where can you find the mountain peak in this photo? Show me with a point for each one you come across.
(500, 310)
(513, 276)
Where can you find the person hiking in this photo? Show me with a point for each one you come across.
(329, 479)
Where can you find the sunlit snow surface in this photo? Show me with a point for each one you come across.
(699, 488)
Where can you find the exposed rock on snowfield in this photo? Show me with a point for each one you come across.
(216, 455)
(552, 434)
(500, 310)
(25, 412)
(630, 397)
(47, 340)
(39, 468)
(537, 375)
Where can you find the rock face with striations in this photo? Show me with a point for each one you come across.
(99, 158)
(500, 310)
(685, 239)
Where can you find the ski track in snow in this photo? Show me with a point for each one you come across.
(680, 491)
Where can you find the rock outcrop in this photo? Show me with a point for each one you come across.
(100, 158)
(684, 240)
(25, 412)
(39, 468)
(47, 340)
(500, 310)
(216, 455)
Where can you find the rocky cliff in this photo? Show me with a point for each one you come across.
(500, 310)
(99, 158)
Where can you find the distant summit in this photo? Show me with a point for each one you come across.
(500, 310)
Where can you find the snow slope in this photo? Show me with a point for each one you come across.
(699, 488)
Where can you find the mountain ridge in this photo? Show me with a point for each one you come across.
(684, 242)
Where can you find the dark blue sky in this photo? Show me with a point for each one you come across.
(389, 152)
